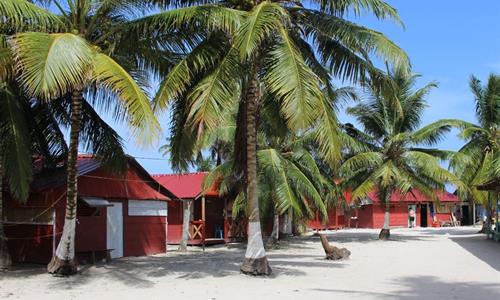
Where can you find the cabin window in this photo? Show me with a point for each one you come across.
(29, 215)
(147, 208)
(91, 206)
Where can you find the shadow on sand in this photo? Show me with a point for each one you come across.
(423, 287)
(486, 250)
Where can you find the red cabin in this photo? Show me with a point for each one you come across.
(370, 211)
(211, 219)
(117, 215)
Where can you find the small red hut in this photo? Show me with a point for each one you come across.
(207, 211)
(369, 213)
(117, 215)
(211, 217)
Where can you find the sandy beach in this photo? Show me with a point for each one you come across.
(430, 263)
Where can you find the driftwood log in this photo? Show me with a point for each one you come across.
(333, 252)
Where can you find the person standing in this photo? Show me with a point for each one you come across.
(411, 213)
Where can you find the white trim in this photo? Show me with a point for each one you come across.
(67, 241)
(147, 208)
(255, 246)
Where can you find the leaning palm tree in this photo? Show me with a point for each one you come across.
(396, 160)
(481, 152)
(82, 50)
(240, 48)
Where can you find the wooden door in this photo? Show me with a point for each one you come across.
(114, 236)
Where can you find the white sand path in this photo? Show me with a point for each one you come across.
(430, 263)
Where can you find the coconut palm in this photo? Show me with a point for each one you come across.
(27, 128)
(482, 163)
(396, 160)
(83, 51)
(282, 47)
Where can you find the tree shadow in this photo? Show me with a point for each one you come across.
(145, 271)
(422, 287)
(486, 250)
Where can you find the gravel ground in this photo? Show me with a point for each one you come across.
(426, 263)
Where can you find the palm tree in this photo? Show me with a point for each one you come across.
(240, 48)
(395, 159)
(478, 162)
(288, 177)
(27, 129)
(83, 50)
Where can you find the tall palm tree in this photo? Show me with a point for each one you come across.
(396, 160)
(239, 48)
(83, 50)
(27, 128)
(482, 148)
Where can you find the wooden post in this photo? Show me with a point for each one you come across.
(473, 214)
(203, 219)
(225, 219)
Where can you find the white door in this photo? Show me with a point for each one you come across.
(114, 235)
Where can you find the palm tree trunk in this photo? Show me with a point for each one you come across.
(5, 260)
(273, 239)
(385, 233)
(63, 262)
(255, 262)
(186, 204)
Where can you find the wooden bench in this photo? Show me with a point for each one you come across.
(107, 254)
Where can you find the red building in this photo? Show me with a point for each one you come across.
(117, 215)
(369, 213)
(211, 217)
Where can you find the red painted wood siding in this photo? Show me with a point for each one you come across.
(175, 213)
(143, 235)
(365, 216)
(38, 250)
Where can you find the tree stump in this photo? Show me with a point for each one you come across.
(384, 234)
(333, 252)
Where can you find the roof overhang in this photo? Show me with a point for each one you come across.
(96, 202)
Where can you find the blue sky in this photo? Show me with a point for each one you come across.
(446, 40)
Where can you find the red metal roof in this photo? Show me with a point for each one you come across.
(187, 185)
(412, 197)
(136, 184)
(415, 196)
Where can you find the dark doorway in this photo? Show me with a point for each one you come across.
(466, 219)
(423, 215)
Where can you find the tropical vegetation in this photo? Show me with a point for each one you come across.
(396, 159)
(78, 53)
(478, 161)
(246, 49)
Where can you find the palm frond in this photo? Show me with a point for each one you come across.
(51, 65)
(22, 15)
(110, 75)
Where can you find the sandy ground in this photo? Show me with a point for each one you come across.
(446, 263)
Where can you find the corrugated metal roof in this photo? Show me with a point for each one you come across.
(186, 186)
(51, 178)
(140, 186)
(414, 196)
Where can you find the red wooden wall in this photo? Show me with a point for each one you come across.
(143, 235)
(175, 212)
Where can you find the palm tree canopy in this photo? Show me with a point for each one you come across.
(295, 51)
(84, 46)
(478, 162)
(396, 157)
